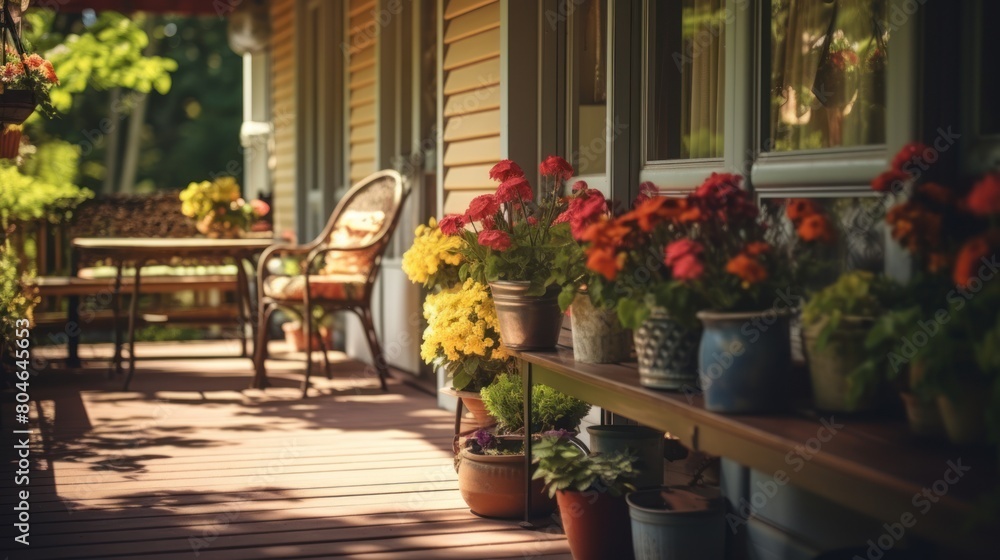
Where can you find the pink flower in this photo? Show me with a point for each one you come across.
(260, 208)
(647, 191)
(556, 167)
(580, 186)
(684, 258)
(505, 170)
(515, 188)
(452, 224)
(494, 239)
(482, 206)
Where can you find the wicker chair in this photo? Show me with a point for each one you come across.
(342, 263)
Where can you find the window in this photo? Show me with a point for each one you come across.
(588, 91)
(988, 72)
(686, 79)
(825, 72)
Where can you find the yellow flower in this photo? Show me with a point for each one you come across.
(434, 257)
(461, 323)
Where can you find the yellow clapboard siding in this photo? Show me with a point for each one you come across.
(460, 7)
(358, 6)
(474, 49)
(363, 77)
(361, 169)
(363, 96)
(364, 114)
(465, 177)
(476, 125)
(363, 59)
(476, 21)
(478, 75)
(468, 152)
(457, 202)
(483, 99)
(364, 133)
(362, 151)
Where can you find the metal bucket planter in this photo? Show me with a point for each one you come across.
(667, 353)
(743, 361)
(645, 443)
(598, 337)
(830, 366)
(527, 322)
(678, 523)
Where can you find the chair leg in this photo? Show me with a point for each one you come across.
(326, 358)
(376, 348)
(307, 332)
(260, 347)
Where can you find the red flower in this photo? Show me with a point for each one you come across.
(816, 228)
(452, 224)
(556, 167)
(910, 153)
(482, 206)
(584, 211)
(720, 197)
(890, 180)
(798, 209)
(984, 198)
(684, 259)
(489, 222)
(647, 191)
(494, 239)
(515, 188)
(969, 260)
(580, 186)
(505, 170)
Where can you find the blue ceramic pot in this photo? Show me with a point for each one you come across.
(743, 361)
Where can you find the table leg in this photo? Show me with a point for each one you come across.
(132, 313)
(525, 368)
(73, 342)
(116, 325)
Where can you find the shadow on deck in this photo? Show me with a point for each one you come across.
(191, 464)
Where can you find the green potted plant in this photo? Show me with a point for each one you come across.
(511, 241)
(218, 209)
(598, 335)
(626, 255)
(836, 322)
(590, 491)
(491, 465)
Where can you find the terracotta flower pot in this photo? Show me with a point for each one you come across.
(10, 142)
(296, 338)
(473, 402)
(493, 486)
(597, 525)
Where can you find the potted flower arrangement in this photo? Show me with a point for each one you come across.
(218, 208)
(598, 335)
(632, 270)
(511, 241)
(491, 465)
(590, 491)
(25, 83)
(723, 256)
(837, 320)
(953, 234)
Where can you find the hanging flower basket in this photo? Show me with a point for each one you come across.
(16, 106)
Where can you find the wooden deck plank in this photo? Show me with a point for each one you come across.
(189, 459)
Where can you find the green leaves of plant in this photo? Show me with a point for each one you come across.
(563, 465)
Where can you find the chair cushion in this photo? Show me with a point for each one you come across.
(354, 228)
(327, 286)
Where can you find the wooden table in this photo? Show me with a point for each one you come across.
(873, 466)
(139, 252)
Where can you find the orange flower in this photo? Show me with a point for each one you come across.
(604, 261)
(800, 208)
(691, 215)
(967, 263)
(984, 199)
(747, 268)
(654, 210)
(816, 228)
(757, 248)
(936, 193)
(936, 262)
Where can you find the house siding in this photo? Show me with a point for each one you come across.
(283, 113)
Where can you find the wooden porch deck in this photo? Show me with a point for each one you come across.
(191, 464)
